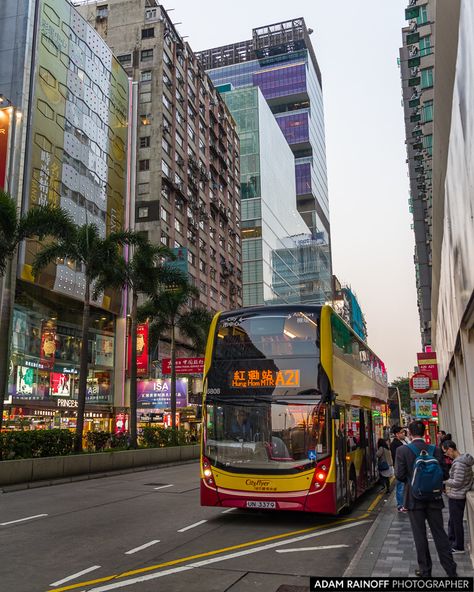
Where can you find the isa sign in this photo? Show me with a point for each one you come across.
(157, 393)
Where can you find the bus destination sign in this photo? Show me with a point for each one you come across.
(258, 378)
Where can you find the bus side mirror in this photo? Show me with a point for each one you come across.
(335, 412)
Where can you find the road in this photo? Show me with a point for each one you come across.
(146, 532)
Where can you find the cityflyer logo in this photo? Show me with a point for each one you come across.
(257, 483)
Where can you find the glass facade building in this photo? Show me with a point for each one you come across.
(269, 214)
(280, 61)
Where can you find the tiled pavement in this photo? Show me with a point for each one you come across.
(389, 550)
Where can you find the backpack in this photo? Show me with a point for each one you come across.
(427, 480)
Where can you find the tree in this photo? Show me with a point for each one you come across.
(84, 246)
(403, 386)
(169, 311)
(144, 273)
(39, 221)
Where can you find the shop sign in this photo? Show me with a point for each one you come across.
(121, 423)
(48, 343)
(157, 393)
(142, 350)
(60, 384)
(184, 365)
(4, 129)
(423, 409)
(428, 364)
(67, 403)
(35, 364)
(66, 370)
(25, 380)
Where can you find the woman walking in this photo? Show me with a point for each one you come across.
(385, 464)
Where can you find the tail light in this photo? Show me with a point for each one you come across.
(207, 472)
(321, 473)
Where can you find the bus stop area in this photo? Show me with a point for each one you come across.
(388, 548)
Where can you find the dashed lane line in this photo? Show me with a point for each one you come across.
(145, 546)
(22, 519)
(76, 575)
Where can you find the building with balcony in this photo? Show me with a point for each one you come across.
(187, 177)
(269, 214)
(280, 60)
(70, 149)
(417, 61)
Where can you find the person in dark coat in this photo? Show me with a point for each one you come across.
(398, 440)
(421, 512)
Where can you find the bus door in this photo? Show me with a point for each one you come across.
(371, 449)
(340, 438)
(364, 469)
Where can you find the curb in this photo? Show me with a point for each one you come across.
(74, 478)
(361, 563)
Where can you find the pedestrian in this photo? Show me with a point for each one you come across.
(423, 498)
(459, 483)
(441, 437)
(448, 460)
(398, 440)
(385, 464)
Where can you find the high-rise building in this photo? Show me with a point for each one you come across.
(269, 214)
(71, 147)
(417, 60)
(187, 174)
(280, 60)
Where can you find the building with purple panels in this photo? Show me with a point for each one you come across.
(280, 60)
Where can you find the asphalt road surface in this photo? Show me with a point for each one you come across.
(146, 532)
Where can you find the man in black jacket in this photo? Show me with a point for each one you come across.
(398, 440)
(421, 512)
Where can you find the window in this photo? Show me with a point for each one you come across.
(166, 102)
(148, 33)
(143, 188)
(165, 168)
(164, 239)
(425, 45)
(145, 97)
(179, 204)
(422, 18)
(145, 76)
(125, 59)
(145, 142)
(146, 55)
(203, 287)
(165, 192)
(179, 140)
(202, 146)
(144, 165)
(427, 78)
(102, 12)
(145, 119)
(428, 144)
(202, 265)
(179, 119)
(427, 112)
(178, 225)
(191, 133)
(164, 215)
(166, 147)
(221, 241)
(143, 212)
(150, 14)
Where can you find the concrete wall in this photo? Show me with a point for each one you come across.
(29, 470)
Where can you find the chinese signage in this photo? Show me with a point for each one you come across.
(264, 378)
(422, 408)
(142, 350)
(4, 129)
(157, 393)
(427, 364)
(420, 382)
(184, 365)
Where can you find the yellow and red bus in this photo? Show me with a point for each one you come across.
(294, 402)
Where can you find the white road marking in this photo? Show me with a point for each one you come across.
(22, 519)
(140, 548)
(76, 575)
(192, 525)
(311, 548)
(168, 572)
(229, 510)
(162, 487)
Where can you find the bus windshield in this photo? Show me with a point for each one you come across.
(263, 437)
(266, 335)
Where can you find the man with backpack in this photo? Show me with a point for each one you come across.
(422, 468)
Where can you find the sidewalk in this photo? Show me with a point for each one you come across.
(388, 548)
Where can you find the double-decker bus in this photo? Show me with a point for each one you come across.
(293, 405)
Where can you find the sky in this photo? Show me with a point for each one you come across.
(356, 44)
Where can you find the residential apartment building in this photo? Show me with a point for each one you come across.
(70, 100)
(187, 190)
(417, 60)
(269, 214)
(280, 60)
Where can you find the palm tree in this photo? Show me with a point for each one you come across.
(144, 273)
(85, 246)
(169, 311)
(40, 221)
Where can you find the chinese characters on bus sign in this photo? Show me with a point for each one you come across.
(264, 378)
(420, 383)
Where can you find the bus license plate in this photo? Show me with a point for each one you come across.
(265, 505)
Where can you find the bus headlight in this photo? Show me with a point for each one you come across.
(207, 473)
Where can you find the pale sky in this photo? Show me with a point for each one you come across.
(356, 44)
